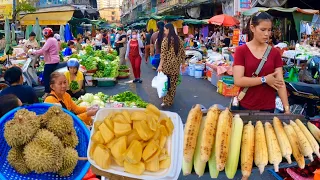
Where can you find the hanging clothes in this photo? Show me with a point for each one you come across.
(205, 31)
(152, 24)
(308, 29)
(302, 27)
(185, 29)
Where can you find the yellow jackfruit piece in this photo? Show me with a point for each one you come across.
(133, 136)
(155, 155)
(119, 148)
(111, 143)
(96, 124)
(134, 124)
(109, 124)
(119, 162)
(144, 144)
(134, 152)
(136, 169)
(102, 157)
(164, 164)
(143, 130)
(152, 122)
(106, 133)
(138, 116)
(163, 140)
(119, 118)
(97, 137)
(121, 129)
(92, 148)
(153, 109)
(157, 134)
(153, 165)
(167, 122)
(163, 156)
(149, 150)
(127, 116)
(163, 130)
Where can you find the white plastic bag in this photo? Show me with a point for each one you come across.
(159, 82)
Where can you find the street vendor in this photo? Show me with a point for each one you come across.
(31, 43)
(50, 50)
(68, 50)
(74, 76)
(59, 95)
(258, 91)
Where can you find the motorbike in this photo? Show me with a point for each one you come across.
(304, 98)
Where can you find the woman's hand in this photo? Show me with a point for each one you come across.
(160, 68)
(92, 111)
(273, 81)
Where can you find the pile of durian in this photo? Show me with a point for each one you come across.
(44, 143)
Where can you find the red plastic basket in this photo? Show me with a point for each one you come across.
(230, 90)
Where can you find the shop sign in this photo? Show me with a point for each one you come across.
(245, 4)
(235, 38)
(6, 9)
(243, 39)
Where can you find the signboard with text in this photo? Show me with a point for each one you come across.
(235, 37)
(243, 39)
(6, 9)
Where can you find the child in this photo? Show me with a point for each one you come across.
(68, 50)
(74, 76)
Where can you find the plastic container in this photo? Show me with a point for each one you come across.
(199, 66)
(173, 145)
(191, 70)
(7, 172)
(198, 74)
(227, 79)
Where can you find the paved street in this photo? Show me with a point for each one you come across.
(191, 91)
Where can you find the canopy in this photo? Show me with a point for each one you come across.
(47, 18)
(194, 21)
(29, 29)
(224, 20)
(13, 36)
(290, 10)
(7, 34)
(37, 30)
(61, 33)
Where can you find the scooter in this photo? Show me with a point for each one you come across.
(304, 98)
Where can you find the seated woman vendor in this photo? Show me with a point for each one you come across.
(68, 50)
(59, 95)
(74, 78)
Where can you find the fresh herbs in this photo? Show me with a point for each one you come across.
(74, 85)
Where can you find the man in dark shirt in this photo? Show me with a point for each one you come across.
(121, 43)
(147, 44)
(25, 93)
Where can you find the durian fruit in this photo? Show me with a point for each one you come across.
(15, 159)
(70, 140)
(21, 129)
(44, 153)
(52, 112)
(70, 159)
(60, 125)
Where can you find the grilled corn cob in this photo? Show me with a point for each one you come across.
(293, 139)
(235, 144)
(260, 147)
(214, 173)
(303, 141)
(314, 130)
(209, 133)
(247, 150)
(190, 138)
(223, 138)
(274, 152)
(313, 142)
(282, 139)
(199, 165)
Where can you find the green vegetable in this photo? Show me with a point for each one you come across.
(74, 85)
(61, 57)
(122, 74)
(64, 45)
(89, 50)
(115, 53)
(75, 56)
(123, 67)
(130, 99)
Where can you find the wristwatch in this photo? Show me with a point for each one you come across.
(263, 80)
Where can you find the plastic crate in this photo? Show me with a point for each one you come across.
(228, 90)
(227, 79)
(7, 172)
(106, 83)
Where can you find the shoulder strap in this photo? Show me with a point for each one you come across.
(256, 73)
(62, 103)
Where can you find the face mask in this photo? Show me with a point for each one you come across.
(134, 36)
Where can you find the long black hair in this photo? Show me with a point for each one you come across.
(160, 26)
(255, 20)
(173, 37)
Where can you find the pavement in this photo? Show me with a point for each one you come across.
(191, 91)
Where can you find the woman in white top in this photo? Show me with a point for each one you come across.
(98, 41)
(30, 43)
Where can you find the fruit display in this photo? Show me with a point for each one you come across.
(228, 143)
(43, 143)
(133, 139)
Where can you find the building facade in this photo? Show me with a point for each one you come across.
(112, 15)
(109, 3)
(51, 3)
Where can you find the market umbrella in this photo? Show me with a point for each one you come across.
(224, 20)
(61, 32)
(67, 33)
(7, 35)
(37, 31)
(13, 36)
(29, 29)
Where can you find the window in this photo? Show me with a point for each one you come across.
(113, 13)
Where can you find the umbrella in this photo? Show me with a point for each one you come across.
(28, 31)
(13, 36)
(224, 20)
(37, 31)
(67, 33)
(61, 32)
(7, 34)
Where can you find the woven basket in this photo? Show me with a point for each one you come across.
(7, 172)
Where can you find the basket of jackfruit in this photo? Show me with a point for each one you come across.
(137, 143)
(43, 141)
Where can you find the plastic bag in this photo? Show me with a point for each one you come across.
(160, 83)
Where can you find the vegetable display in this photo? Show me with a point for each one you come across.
(74, 85)
(123, 67)
(236, 144)
(123, 74)
(130, 99)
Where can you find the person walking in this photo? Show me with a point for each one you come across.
(259, 85)
(147, 45)
(155, 44)
(172, 56)
(50, 51)
(121, 44)
(134, 54)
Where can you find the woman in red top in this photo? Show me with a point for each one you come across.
(261, 94)
(134, 54)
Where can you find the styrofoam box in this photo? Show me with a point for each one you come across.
(173, 145)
